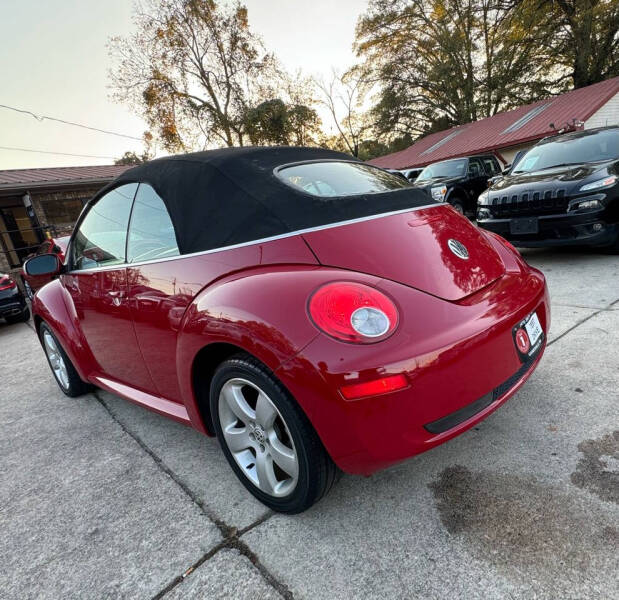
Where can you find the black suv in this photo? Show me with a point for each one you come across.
(565, 190)
(459, 181)
(13, 307)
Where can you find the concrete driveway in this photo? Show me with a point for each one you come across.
(100, 498)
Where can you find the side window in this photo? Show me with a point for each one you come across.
(102, 235)
(491, 166)
(151, 233)
(475, 169)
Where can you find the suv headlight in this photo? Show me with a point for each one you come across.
(483, 197)
(438, 193)
(600, 183)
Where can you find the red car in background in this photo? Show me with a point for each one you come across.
(309, 310)
(57, 246)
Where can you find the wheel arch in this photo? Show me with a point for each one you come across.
(204, 365)
(37, 323)
(459, 193)
(241, 316)
(50, 306)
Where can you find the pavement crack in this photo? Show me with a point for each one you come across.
(168, 588)
(229, 533)
(584, 306)
(583, 320)
(257, 522)
(244, 549)
(225, 529)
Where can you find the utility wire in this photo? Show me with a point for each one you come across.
(44, 118)
(58, 153)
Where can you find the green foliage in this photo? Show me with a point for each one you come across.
(275, 122)
(131, 158)
(450, 62)
(201, 77)
(583, 37)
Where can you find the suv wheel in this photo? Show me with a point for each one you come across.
(614, 247)
(458, 205)
(268, 441)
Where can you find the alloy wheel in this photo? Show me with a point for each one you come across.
(56, 360)
(258, 438)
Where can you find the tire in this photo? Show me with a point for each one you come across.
(458, 205)
(23, 318)
(612, 248)
(272, 431)
(68, 379)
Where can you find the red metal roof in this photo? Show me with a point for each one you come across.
(503, 129)
(23, 178)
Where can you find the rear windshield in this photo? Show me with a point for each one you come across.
(449, 168)
(333, 178)
(601, 145)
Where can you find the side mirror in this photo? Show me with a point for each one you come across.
(45, 266)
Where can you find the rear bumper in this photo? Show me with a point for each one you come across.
(479, 409)
(559, 230)
(453, 385)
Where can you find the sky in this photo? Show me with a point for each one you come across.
(54, 61)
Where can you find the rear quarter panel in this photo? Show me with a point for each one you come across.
(263, 311)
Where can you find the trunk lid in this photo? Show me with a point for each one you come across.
(413, 248)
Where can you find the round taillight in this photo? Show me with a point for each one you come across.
(353, 312)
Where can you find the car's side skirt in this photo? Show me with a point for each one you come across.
(170, 409)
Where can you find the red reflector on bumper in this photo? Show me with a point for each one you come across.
(374, 388)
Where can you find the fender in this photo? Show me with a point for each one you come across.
(248, 310)
(53, 305)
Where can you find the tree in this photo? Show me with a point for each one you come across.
(343, 96)
(275, 122)
(193, 68)
(585, 39)
(451, 62)
(131, 158)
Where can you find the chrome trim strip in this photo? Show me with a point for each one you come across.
(253, 242)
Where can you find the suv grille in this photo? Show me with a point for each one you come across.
(538, 202)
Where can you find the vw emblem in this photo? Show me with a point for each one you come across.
(458, 248)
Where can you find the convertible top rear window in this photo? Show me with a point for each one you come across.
(335, 178)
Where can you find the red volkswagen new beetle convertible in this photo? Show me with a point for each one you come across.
(309, 310)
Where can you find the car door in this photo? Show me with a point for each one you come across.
(162, 284)
(158, 291)
(478, 180)
(97, 283)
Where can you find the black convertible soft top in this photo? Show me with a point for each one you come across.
(225, 197)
